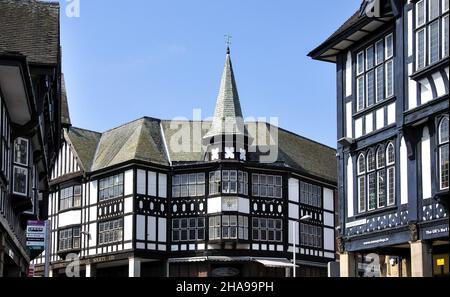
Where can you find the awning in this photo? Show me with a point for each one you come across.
(268, 262)
(277, 263)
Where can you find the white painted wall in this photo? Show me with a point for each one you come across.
(328, 199)
(293, 211)
(293, 189)
(92, 213)
(439, 83)
(391, 114)
(358, 128)
(328, 239)
(380, 118)
(349, 192)
(162, 185)
(369, 123)
(162, 229)
(348, 75)
(410, 32)
(412, 89)
(214, 205)
(129, 182)
(140, 227)
(426, 94)
(140, 187)
(403, 172)
(128, 205)
(151, 183)
(151, 228)
(128, 227)
(243, 205)
(426, 164)
(349, 119)
(328, 219)
(93, 192)
(69, 218)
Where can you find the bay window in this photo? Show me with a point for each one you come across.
(431, 32)
(188, 229)
(228, 182)
(20, 167)
(69, 239)
(310, 235)
(375, 73)
(111, 187)
(110, 231)
(376, 178)
(310, 194)
(228, 227)
(361, 183)
(270, 186)
(265, 229)
(443, 154)
(70, 197)
(188, 185)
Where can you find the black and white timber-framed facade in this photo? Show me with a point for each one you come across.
(392, 61)
(32, 110)
(129, 202)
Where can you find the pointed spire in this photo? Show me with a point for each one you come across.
(228, 112)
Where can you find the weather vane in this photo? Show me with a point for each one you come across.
(228, 39)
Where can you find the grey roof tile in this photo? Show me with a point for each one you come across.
(142, 140)
(31, 28)
(228, 113)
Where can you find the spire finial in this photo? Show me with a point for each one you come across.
(228, 42)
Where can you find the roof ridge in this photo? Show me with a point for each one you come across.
(73, 127)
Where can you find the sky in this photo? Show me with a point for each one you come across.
(123, 60)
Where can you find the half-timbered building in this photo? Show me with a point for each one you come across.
(190, 198)
(30, 121)
(392, 61)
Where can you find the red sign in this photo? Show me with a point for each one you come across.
(30, 270)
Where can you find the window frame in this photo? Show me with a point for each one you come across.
(71, 198)
(263, 230)
(71, 239)
(113, 231)
(368, 74)
(426, 27)
(120, 185)
(261, 184)
(442, 144)
(385, 190)
(188, 228)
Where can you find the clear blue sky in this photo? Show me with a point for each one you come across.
(127, 59)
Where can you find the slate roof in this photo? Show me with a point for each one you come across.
(84, 144)
(65, 115)
(31, 28)
(228, 113)
(145, 140)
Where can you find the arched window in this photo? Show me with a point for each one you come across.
(381, 177)
(376, 177)
(361, 183)
(443, 154)
(390, 163)
(371, 180)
